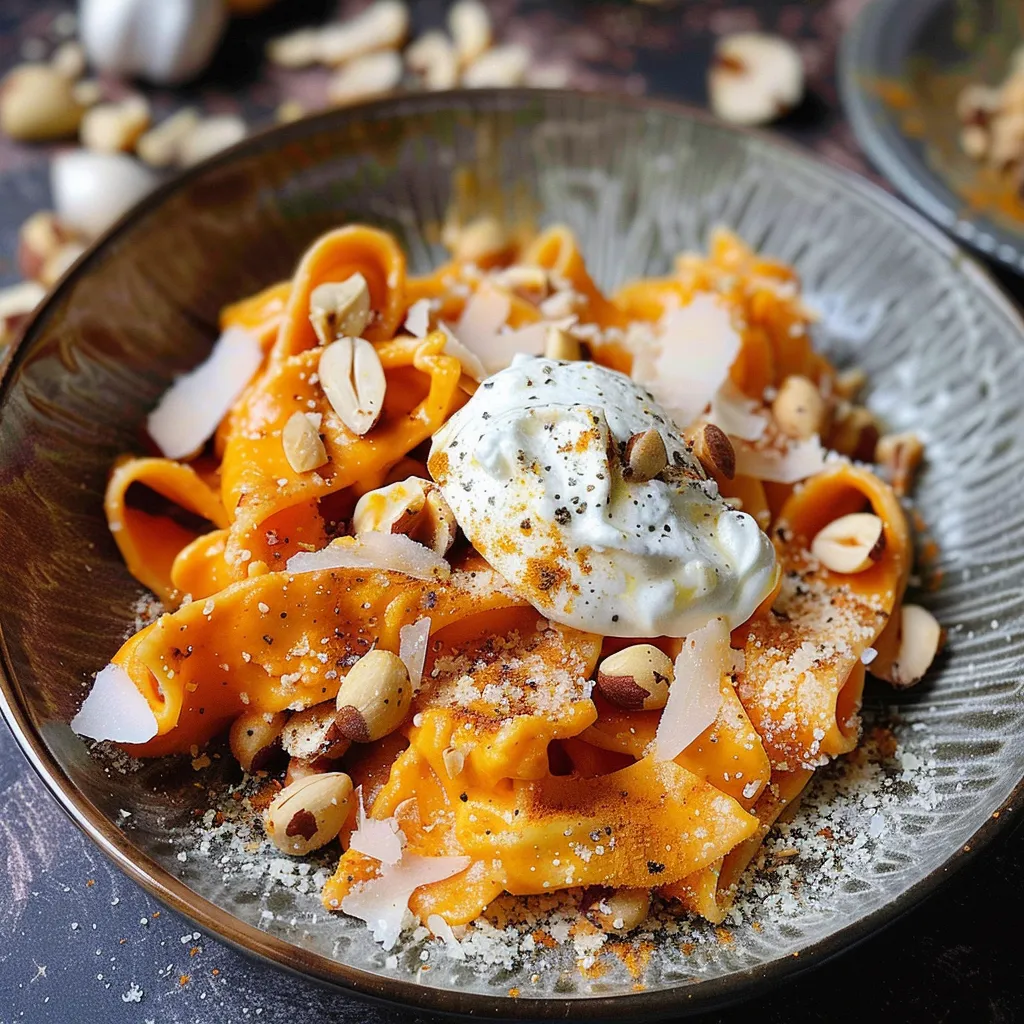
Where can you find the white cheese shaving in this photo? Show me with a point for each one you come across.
(690, 359)
(736, 414)
(412, 648)
(417, 320)
(374, 550)
(868, 655)
(695, 695)
(383, 901)
(115, 710)
(380, 838)
(190, 410)
(800, 460)
(443, 930)
(471, 365)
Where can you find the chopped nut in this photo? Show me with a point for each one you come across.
(161, 146)
(900, 455)
(481, 241)
(40, 238)
(799, 409)
(976, 104)
(210, 136)
(298, 49)
(851, 543)
(755, 78)
(340, 309)
(309, 813)
(560, 344)
(636, 677)
(381, 26)
(288, 111)
(353, 380)
(621, 911)
(714, 451)
(498, 68)
(313, 733)
(1006, 140)
(645, 456)
(374, 698)
(470, 25)
(69, 60)
(530, 282)
(60, 261)
(37, 104)
(854, 432)
(850, 383)
(255, 738)
(415, 507)
(303, 447)
(974, 141)
(454, 761)
(921, 638)
(114, 127)
(375, 74)
(433, 58)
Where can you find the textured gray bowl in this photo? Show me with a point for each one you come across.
(638, 182)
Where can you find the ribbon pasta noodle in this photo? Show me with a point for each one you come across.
(543, 730)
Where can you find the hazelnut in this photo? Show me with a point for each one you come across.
(755, 78)
(850, 544)
(636, 678)
(646, 456)
(799, 409)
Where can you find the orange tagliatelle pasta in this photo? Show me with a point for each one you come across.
(520, 724)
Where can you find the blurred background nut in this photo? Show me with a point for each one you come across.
(755, 78)
(37, 103)
(799, 409)
(114, 127)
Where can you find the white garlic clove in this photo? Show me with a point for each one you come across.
(92, 190)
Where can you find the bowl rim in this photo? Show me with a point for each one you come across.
(163, 885)
(887, 146)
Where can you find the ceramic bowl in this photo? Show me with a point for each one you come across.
(638, 182)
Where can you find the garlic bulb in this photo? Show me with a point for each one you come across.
(91, 190)
(164, 41)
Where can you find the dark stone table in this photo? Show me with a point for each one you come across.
(79, 942)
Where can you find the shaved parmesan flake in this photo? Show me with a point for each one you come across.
(690, 359)
(115, 710)
(188, 414)
(736, 414)
(380, 838)
(471, 365)
(374, 550)
(383, 902)
(800, 460)
(485, 313)
(696, 692)
(417, 320)
(412, 648)
(443, 930)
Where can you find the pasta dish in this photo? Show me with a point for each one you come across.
(506, 585)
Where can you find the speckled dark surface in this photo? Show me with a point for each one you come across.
(79, 942)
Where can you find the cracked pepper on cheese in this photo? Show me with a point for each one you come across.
(501, 519)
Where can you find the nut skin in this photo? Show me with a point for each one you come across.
(851, 543)
(645, 456)
(636, 678)
(255, 738)
(309, 813)
(374, 698)
(621, 910)
(339, 309)
(414, 506)
(714, 451)
(799, 409)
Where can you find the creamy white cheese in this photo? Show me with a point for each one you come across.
(532, 469)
